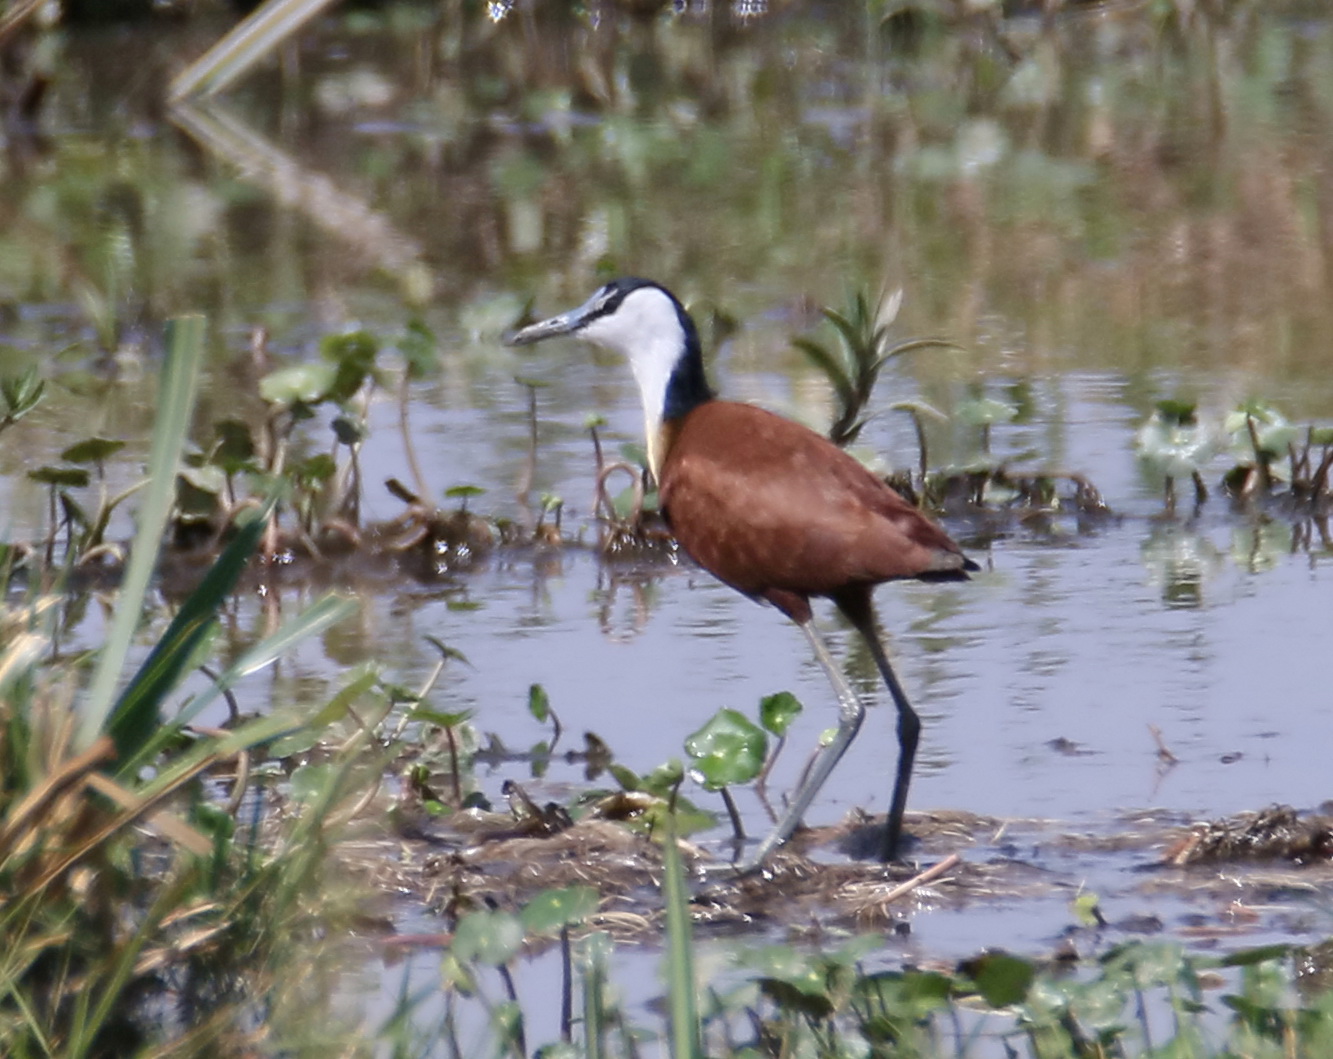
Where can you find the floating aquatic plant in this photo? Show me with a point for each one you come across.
(1175, 444)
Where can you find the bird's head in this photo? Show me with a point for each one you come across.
(646, 324)
(627, 316)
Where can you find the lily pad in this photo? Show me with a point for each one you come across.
(986, 411)
(301, 384)
(729, 749)
(92, 450)
(69, 477)
(491, 938)
(776, 712)
(552, 909)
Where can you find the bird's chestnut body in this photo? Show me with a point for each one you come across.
(781, 513)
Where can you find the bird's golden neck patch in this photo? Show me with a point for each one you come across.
(660, 438)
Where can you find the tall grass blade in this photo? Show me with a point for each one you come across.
(138, 712)
(310, 622)
(686, 1039)
(175, 402)
(594, 958)
(252, 39)
(191, 762)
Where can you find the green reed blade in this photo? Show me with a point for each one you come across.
(175, 402)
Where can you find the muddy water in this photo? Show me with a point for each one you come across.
(1103, 213)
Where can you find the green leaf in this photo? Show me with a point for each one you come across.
(628, 779)
(1001, 979)
(396, 692)
(539, 703)
(729, 749)
(440, 718)
(464, 492)
(785, 963)
(194, 504)
(909, 346)
(507, 1025)
(1271, 431)
(633, 453)
(91, 450)
(828, 364)
(686, 1037)
(1159, 963)
(859, 337)
(1178, 412)
(491, 938)
(350, 430)
(137, 713)
(299, 384)
(1086, 909)
(551, 910)
(355, 348)
(664, 779)
(914, 994)
(353, 354)
(311, 782)
(21, 393)
(336, 708)
(65, 477)
(688, 818)
(319, 616)
(175, 403)
(776, 712)
(1259, 954)
(624, 502)
(73, 510)
(447, 652)
(419, 348)
(920, 409)
(207, 479)
(260, 731)
(985, 411)
(314, 470)
(456, 975)
(233, 446)
(213, 819)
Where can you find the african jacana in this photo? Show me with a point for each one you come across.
(768, 507)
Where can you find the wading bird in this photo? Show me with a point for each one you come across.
(769, 507)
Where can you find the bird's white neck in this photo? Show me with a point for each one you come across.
(652, 365)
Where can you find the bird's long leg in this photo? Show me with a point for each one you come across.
(860, 611)
(850, 714)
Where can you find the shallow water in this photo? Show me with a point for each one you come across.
(1116, 216)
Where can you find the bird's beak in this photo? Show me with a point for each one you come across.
(564, 324)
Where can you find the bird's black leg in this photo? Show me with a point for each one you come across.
(860, 611)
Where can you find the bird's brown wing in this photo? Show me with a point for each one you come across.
(764, 503)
